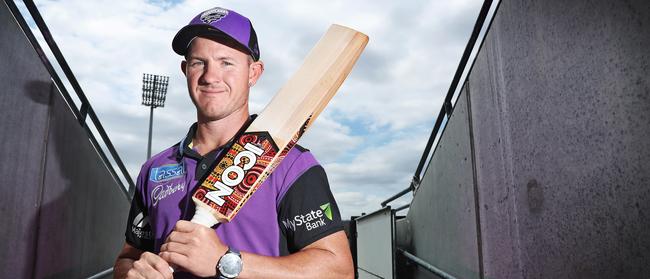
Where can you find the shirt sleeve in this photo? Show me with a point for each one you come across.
(138, 228)
(308, 211)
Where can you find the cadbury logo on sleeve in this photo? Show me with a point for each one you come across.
(166, 172)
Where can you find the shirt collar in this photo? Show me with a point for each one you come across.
(184, 148)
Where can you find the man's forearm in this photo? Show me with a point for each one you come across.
(308, 263)
(326, 258)
(197, 249)
(122, 266)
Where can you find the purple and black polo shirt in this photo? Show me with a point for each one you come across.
(293, 208)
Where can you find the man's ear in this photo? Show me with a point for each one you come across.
(255, 70)
(184, 67)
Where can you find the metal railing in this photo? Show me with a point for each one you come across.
(425, 265)
(86, 109)
(447, 106)
(102, 274)
(402, 207)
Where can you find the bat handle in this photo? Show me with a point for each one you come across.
(203, 216)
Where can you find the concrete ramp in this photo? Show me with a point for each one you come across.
(63, 212)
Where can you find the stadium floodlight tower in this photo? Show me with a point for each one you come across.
(154, 91)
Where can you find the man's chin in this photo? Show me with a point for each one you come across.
(211, 118)
(217, 115)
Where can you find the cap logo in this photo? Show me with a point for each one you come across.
(213, 15)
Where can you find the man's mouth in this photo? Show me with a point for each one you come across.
(212, 91)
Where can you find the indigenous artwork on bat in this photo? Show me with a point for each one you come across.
(230, 183)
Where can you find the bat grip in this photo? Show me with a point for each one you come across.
(203, 216)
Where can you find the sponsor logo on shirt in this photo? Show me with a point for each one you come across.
(166, 172)
(165, 190)
(311, 220)
(140, 227)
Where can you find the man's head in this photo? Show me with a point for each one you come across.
(221, 63)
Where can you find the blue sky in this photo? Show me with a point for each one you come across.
(371, 136)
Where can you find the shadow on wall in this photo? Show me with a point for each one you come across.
(79, 226)
(54, 223)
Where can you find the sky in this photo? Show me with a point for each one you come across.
(370, 137)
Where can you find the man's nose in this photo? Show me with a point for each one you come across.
(211, 74)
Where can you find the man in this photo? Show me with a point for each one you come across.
(290, 228)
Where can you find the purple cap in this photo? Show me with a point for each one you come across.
(218, 21)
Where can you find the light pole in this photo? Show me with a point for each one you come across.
(154, 90)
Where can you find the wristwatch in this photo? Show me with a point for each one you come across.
(230, 264)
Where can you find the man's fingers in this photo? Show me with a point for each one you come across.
(175, 247)
(152, 266)
(141, 269)
(176, 259)
(181, 229)
(163, 268)
(134, 274)
(180, 237)
(186, 232)
(193, 248)
(185, 226)
(176, 254)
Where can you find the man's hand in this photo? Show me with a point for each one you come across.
(150, 266)
(194, 248)
(135, 263)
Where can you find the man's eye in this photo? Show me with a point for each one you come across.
(227, 63)
(195, 64)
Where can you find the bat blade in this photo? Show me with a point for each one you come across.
(255, 152)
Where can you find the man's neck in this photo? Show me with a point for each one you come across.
(210, 135)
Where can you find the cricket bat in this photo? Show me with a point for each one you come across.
(260, 147)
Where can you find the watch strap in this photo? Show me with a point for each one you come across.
(234, 251)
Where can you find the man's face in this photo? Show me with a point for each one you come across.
(218, 79)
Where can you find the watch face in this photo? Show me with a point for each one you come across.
(230, 265)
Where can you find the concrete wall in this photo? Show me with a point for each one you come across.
(558, 119)
(64, 216)
(442, 216)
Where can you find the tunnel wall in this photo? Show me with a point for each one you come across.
(554, 121)
(64, 215)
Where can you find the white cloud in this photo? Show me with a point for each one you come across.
(371, 136)
(377, 171)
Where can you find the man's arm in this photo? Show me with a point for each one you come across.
(197, 249)
(328, 257)
(135, 263)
